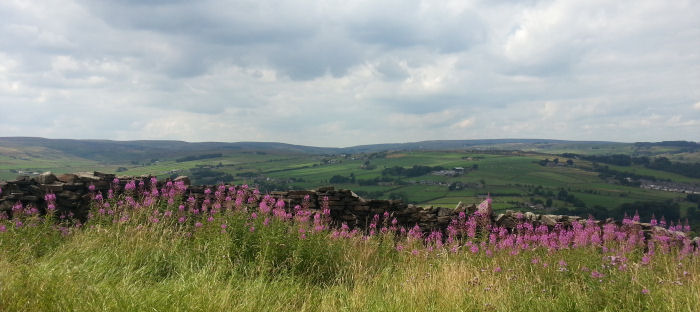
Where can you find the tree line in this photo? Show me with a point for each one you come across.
(691, 170)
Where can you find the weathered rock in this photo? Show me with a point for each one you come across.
(299, 193)
(23, 180)
(461, 207)
(5, 205)
(53, 187)
(75, 187)
(30, 198)
(45, 178)
(444, 212)
(349, 218)
(548, 220)
(471, 209)
(183, 179)
(500, 217)
(87, 177)
(68, 178)
(507, 221)
(104, 176)
(530, 216)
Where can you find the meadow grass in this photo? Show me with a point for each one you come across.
(150, 253)
(129, 268)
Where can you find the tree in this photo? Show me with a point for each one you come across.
(692, 212)
(337, 179)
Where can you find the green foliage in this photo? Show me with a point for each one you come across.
(138, 266)
(414, 171)
(670, 210)
(198, 157)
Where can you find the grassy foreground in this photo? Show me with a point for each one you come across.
(143, 251)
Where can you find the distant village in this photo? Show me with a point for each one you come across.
(670, 186)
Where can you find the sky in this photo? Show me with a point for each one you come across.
(344, 73)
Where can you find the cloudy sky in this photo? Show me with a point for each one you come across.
(341, 73)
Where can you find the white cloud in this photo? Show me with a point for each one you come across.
(549, 109)
(466, 123)
(340, 73)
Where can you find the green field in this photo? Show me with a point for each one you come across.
(515, 179)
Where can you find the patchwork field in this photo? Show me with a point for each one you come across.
(516, 179)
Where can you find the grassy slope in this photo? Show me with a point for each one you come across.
(502, 174)
(139, 266)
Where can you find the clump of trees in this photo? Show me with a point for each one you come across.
(660, 163)
(198, 157)
(624, 178)
(208, 176)
(338, 179)
(415, 171)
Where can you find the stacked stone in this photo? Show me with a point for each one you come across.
(73, 197)
(72, 191)
(511, 219)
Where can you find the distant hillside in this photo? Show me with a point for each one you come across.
(496, 144)
(121, 151)
(107, 151)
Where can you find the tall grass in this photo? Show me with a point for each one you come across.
(158, 251)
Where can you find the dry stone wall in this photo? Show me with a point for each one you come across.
(73, 199)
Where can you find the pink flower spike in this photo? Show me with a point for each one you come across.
(645, 291)
(596, 274)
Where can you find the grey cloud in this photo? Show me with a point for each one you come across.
(402, 25)
(391, 70)
(344, 73)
